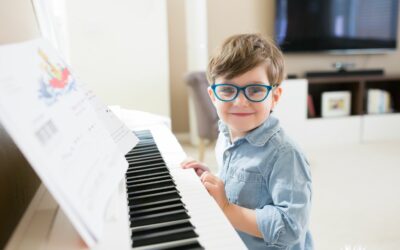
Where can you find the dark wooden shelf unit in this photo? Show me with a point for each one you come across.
(358, 87)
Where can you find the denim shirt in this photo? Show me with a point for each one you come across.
(266, 171)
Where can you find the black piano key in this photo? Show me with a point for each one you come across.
(139, 170)
(146, 166)
(152, 153)
(161, 231)
(144, 159)
(164, 172)
(153, 193)
(160, 211)
(163, 234)
(148, 153)
(143, 151)
(147, 190)
(143, 136)
(157, 185)
(134, 180)
(161, 180)
(140, 165)
(153, 199)
(151, 219)
(145, 171)
(147, 161)
(146, 143)
(148, 178)
(139, 206)
(191, 245)
(157, 207)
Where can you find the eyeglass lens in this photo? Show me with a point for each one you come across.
(253, 93)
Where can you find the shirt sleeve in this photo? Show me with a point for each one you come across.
(285, 222)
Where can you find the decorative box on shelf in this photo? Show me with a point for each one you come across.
(336, 103)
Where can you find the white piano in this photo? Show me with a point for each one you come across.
(44, 225)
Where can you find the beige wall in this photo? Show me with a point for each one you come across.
(120, 49)
(178, 65)
(17, 21)
(228, 17)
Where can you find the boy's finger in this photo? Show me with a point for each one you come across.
(199, 171)
(209, 186)
(208, 177)
(187, 166)
(203, 176)
(194, 165)
(187, 163)
(189, 159)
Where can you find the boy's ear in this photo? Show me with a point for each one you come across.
(211, 94)
(276, 95)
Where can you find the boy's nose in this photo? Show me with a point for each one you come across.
(241, 100)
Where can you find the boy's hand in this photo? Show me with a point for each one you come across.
(215, 187)
(198, 167)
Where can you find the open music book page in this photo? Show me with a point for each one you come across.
(121, 134)
(53, 122)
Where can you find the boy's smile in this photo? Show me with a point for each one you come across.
(242, 115)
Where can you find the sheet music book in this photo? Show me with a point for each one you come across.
(121, 134)
(63, 131)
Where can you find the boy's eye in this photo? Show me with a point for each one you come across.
(226, 90)
(256, 90)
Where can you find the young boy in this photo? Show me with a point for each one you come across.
(264, 182)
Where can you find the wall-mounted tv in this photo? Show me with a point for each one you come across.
(342, 26)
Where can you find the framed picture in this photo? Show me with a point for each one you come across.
(336, 103)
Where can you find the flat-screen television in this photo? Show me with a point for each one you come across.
(348, 26)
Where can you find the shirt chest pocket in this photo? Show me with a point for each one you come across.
(245, 188)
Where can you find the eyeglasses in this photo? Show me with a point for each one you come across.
(253, 92)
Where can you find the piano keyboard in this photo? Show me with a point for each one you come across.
(158, 217)
(169, 208)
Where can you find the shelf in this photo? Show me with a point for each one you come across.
(358, 88)
(356, 128)
(392, 86)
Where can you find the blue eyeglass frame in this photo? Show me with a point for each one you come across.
(268, 87)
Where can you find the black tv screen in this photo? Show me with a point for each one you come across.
(336, 25)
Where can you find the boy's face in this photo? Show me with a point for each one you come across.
(242, 115)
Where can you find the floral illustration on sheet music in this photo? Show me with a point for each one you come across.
(56, 80)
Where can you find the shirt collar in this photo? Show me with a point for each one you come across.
(258, 136)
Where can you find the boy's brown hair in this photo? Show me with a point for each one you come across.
(241, 53)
